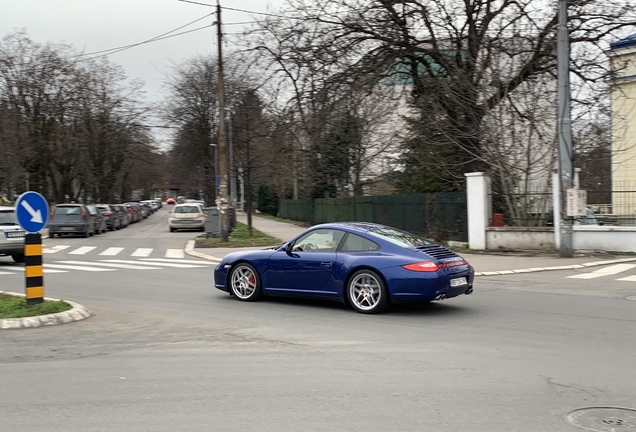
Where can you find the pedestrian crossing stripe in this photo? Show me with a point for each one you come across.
(82, 250)
(605, 271)
(112, 251)
(142, 252)
(165, 264)
(105, 264)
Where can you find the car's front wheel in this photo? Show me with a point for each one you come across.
(18, 257)
(367, 292)
(245, 282)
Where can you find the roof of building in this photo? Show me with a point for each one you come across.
(624, 43)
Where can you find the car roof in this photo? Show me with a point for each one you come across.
(353, 226)
(69, 205)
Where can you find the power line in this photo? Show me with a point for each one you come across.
(154, 39)
(233, 9)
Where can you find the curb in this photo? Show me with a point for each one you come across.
(189, 250)
(76, 313)
(541, 269)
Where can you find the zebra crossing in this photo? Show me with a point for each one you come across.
(111, 251)
(110, 265)
(611, 270)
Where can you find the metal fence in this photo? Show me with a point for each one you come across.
(620, 209)
(439, 216)
(515, 209)
(536, 209)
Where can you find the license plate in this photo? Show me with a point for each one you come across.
(13, 234)
(458, 282)
(67, 229)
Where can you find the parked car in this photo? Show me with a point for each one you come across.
(132, 211)
(71, 219)
(113, 218)
(148, 207)
(11, 235)
(123, 213)
(158, 202)
(187, 216)
(98, 219)
(364, 264)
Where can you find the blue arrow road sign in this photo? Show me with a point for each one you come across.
(32, 211)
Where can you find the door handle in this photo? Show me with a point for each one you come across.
(326, 263)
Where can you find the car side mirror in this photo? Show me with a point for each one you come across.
(288, 248)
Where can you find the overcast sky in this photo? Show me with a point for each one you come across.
(95, 25)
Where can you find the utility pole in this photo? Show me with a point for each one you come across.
(223, 198)
(564, 130)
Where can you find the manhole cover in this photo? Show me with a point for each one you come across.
(603, 419)
(631, 298)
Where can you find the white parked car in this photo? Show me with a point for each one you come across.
(187, 216)
(11, 235)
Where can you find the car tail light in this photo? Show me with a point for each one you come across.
(430, 266)
(109, 214)
(425, 266)
(82, 213)
(172, 215)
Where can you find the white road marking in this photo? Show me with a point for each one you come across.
(112, 251)
(82, 250)
(178, 261)
(104, 264)
(45, 270)
(82, 268)
(628, 279)
(174, 253)
(55, 249)
(142, 252)
(605, 271)
(5, 273)
(156, 263)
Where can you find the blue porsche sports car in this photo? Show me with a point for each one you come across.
(365, 264)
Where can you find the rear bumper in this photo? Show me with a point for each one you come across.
(68, 229)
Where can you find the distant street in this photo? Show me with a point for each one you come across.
(166, 351)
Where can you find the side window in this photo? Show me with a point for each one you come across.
(321, 240)
(355, 243)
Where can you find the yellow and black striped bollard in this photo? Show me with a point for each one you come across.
(33, 269)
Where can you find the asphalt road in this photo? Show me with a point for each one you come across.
(165, 351)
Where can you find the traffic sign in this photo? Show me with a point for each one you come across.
(32, 211)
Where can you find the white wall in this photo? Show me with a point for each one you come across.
(525, 238)
(606, 238)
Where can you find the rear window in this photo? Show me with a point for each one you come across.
(398, 237)
(7, 217)
(62, 210)
(187, 209)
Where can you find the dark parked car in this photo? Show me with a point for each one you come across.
(123, 213)
(98, 218)
(363, 264)
(71, 219)
(113, 218)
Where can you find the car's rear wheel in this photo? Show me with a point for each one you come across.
(18, 257)
(245, 282)
(367, 292)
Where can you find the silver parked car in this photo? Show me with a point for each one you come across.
(11, 235)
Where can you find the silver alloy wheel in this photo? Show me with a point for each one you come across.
(365, 291)
(244, 282)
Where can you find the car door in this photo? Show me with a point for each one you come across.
(307, 266)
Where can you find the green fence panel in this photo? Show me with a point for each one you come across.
(441, 216)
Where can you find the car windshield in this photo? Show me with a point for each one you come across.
(398, 237)
(187, 209)
(7, 217)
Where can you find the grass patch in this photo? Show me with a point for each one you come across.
(16, 307)
(240, 237)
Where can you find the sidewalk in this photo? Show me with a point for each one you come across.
(485, 264)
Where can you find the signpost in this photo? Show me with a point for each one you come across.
(32, 212)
